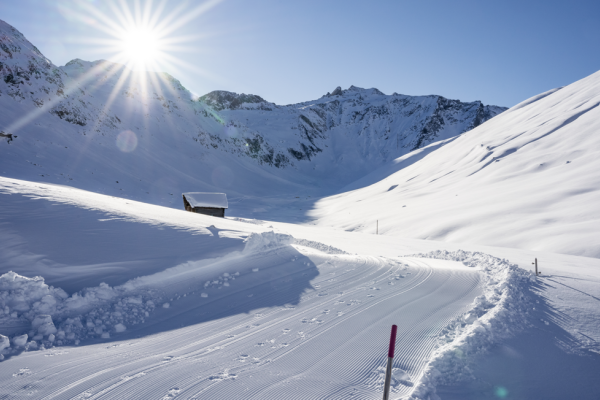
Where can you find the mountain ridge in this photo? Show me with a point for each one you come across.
(77, 116)
(527, 179)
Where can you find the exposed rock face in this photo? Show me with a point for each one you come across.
(337, 91)
(26, 75)
(221, 99)
(354, 122)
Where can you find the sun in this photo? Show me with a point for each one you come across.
(140, 47)
(144, 35)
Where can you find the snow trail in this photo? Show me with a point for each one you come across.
(272, 351)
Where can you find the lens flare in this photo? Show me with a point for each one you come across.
(501, 392)
(127, 141)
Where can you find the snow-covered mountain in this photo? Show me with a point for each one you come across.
(102, 296)
(101, 127)
(529, 179)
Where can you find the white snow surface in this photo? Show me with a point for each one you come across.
(200, 199)
(278, 312)
(114, 296)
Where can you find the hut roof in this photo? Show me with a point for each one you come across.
(199, 199)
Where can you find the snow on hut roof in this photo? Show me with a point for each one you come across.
(199, 199)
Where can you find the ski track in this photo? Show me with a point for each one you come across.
(336, 338)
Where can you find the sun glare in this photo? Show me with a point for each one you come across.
(142, 33)
(140, 47)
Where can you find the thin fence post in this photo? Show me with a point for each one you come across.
(377, 230)
(388, 372)
(536, 267)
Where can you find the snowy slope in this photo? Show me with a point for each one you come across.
(274, 316)
(528, 179)
(270, 305)
(143, 136)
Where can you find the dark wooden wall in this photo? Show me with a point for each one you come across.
(213, 212)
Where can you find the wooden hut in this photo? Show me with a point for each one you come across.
(213, 204)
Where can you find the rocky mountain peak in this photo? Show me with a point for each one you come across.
(221, 99)
(354, 90)
(337, 91)
(24, 71)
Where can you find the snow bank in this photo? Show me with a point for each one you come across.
(270, 240)
(27, 296)
(257, 242)
(4, 342)
(500, 312)
(319, 246)
(44, 316)
(51, 317)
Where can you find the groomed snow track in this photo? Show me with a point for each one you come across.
(331, 344)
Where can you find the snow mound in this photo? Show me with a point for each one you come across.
(27, 296)
(258, 242)
(500, 312)
(319, 246)
(52, 317)
(399, 379)
(4, 342)
(36, 315)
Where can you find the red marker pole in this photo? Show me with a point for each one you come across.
(388, 372)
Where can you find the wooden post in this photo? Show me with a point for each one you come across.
(377, 230)
(388, 371)
(536, 269)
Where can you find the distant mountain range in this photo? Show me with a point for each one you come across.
(99, 126)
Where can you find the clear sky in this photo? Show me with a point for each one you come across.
(499, 52)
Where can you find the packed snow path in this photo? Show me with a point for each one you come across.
(329, 344)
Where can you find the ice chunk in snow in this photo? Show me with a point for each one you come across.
(4, 342)
(120, 328)
(401, 376)
(20, 341)
(43, 325)
(254, 269)
(203, 295)
(470, 318)
(166, 305)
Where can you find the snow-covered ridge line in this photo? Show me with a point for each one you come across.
(500, 312)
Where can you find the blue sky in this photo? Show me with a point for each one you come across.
(499, 52)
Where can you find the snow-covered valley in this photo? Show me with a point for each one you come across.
(272, 308)
(346, 215)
